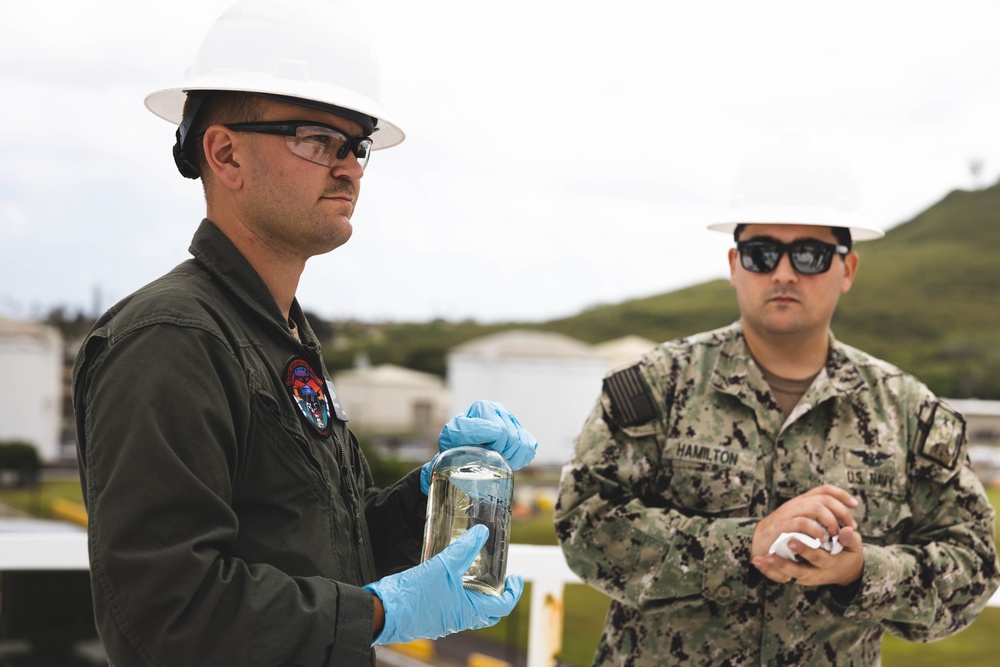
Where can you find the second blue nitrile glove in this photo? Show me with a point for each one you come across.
(428, 601)
(490, 424)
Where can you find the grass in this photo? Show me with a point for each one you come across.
(38, 501)
(585, 608)
(976, 646)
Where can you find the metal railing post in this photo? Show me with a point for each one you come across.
(546, 569)
(545, 622)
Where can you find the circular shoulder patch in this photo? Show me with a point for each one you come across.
(309, 393)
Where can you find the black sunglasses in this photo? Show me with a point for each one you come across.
(317, 142)
(808, 257)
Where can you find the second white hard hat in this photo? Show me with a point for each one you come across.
(795, 179)
(311, 50)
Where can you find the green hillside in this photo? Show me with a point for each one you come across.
(927, 299)
(663, 317)
(928, 296)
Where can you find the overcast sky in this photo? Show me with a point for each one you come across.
(559, 154)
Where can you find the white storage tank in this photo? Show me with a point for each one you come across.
(31, 371)
(549, 381)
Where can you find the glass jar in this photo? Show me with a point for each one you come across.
(471, 485)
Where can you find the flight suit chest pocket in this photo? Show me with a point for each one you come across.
(282, 439)
(706, 479)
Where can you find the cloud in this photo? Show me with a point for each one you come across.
(13, 221)
(558, 154)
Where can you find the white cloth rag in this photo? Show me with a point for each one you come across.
(780, 546)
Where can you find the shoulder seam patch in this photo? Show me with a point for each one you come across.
(631, 400)
(945, 454)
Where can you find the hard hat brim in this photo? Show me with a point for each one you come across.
(861, 229)
(168, 103)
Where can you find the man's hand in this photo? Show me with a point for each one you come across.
(429, 601)
(491, 425)
(826, 508)
(820, 568)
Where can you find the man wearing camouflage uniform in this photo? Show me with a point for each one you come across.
(708, 450)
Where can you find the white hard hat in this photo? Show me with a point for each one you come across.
(796, 180)
(312, 51)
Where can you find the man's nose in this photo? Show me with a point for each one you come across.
(785, 272)
(349, 167)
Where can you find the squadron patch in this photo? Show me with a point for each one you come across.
(631, 403)
(309, 393)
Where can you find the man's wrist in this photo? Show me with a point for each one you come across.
(378, 618)
(844, 595)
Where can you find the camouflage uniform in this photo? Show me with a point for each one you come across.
(687, 449)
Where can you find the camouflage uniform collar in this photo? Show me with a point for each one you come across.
(842, 371)
(839, 379)
(736, 373)
(734, 363)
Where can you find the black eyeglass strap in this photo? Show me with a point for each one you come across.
(185, 164)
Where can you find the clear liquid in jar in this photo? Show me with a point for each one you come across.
(465, 495)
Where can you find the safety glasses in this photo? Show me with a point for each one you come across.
(316, 142)
(807, 257)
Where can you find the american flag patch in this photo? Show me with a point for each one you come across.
(631, 403)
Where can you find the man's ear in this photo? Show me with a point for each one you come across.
(851, 261)
(220, 155)
(732, 265)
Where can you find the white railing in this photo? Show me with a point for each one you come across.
(543, 566)
(36, 549)
(548, 573)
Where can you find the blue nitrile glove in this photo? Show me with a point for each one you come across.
(428, 601)
(486, 423)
